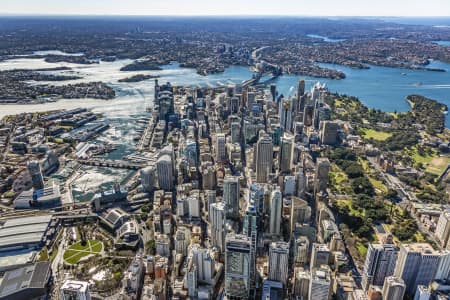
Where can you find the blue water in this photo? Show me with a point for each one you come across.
(324, 38)
(380, 87)
(442, 43)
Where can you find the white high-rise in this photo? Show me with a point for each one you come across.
(379, 264)
(217, 222)
(264, 158)
(75, 290)
(279, 262)
(165, 172)
(393, 288)
(148, 175)
(276, 204)
(231, 194)
(205, 264)
(416, 264)
(442, 232)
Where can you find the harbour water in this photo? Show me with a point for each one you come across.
(377, 87)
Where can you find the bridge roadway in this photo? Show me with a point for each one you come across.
(120, 164)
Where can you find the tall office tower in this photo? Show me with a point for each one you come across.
(182, 240)
(301, 183)
(264, 158)
(251, 230)
(300, 88)
(416, 264)
(251, 97)
(165, 175)
(217, 218)
(443, 270)
(75, 290)
(286, 110)
(321, 177)
(308, 115)
(148, 175)
(315, 92)
(221, 154)
(320, 284)
(380, 263)
(191, 281)
(234, 105)
(194, 206)
(231, 196)
(442, 232)
(276, 205)
(302, 280)
(209, 178)
(300, 212)
(36, 174)
(204, 262)
(394, 288)
(286, 153)
(329, 132)
(237, 266)
(320, 255)
(256, 196)
(279, 262)
(235, 132)
(301, 250)
(273, 92)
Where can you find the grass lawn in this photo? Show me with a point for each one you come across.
(362, 249)
(437, 165)
(375, 134)
(77, 251)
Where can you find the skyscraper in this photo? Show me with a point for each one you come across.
(379, 264)
(251, 230)
(221, 154)
(329, 132)
(165, 172)
(34, 168)
(320, 255)
(286, 153)
(442, 232)
(148, 175)
(286, 110)
(264, 158)
(393, 288)
(276, 204)
(301, 250)
(321, 177)
(416, 264)
(78, 290)
(237, 266)
(301, 283)
(231, 194)
(204, 262)
(300, 212)
(279, 262)
(217, 223)
(320, 284)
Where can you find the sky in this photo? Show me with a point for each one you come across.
(229, 7)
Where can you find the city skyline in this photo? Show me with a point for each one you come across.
(432, 8)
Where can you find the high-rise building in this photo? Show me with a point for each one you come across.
(442, 232)
(301, 250)
(205, 264)
(286, 153)
(300, 212)
(182, 240)
(276, 205)
(301, 283)
(165, 172)
(301, 183)
(221, 154)
(235, 132)
(393, 288)
(264, 158)
(320, 284)
(329, 132)
(416, 264)
(321, 177)
(286, 109)
(148, 175)
(34, 168)
(422, 293)
(279, 262)
(300, 88)
(251, 230)
(237, 266)
(194, 206)
(443, 270)
(231, 195)
(75, 290)
(379, 264)
(217, 217)
(320, 255)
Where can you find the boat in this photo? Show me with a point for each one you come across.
(419, 83)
